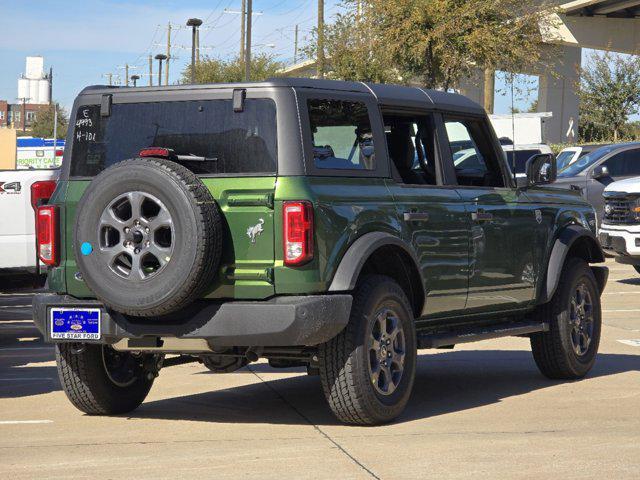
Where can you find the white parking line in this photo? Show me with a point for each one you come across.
(633, 343)
(15, 306)
(629, 292)
(627, 310)
(23, 422)
(15, 321)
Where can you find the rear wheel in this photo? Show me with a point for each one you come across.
(367, 371)
(99, 380)
(568, 350)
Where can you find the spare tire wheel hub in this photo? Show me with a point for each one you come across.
(136, 235)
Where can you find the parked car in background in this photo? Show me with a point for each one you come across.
(21, 192)
(619, 232)
(593, 172)
(517, 155)
(469, 158)
(570, 155)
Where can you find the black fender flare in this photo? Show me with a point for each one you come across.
(359, 252)
(561, 247)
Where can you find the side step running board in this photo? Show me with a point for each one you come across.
(475, 334)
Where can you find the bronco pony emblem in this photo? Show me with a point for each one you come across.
(253, 232)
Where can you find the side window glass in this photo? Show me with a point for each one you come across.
(341, 135)
(624, 164)
(472, 154)
(617, 165)
(411, 149)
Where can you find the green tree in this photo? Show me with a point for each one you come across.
(609, 94)
(436, 42)
(216, 70)
(43, 124)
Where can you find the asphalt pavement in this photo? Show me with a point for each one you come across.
(480, 411)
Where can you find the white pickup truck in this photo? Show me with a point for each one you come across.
(20, 192)
(619, 233)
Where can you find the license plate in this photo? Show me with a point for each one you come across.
(75, 323)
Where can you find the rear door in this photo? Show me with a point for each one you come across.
(236, 158)
(431, 213)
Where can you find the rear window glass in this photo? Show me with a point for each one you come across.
(341, 135)
(220, 140)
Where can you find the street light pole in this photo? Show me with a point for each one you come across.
(135, 79)
(194, 23)
(160, 57)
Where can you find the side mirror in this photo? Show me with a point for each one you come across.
(601, 171)
(541, 169)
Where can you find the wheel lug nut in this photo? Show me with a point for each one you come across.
(388, 342)
(389, 355)
(137, 250)
(147, 244)
(146, 229)
(127, 229)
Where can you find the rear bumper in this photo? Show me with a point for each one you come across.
(280, 321)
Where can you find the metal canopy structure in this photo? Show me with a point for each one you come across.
(607, 8)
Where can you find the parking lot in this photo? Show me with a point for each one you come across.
(480, 411)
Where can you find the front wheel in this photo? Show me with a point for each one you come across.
(568, 350)
(99, 380)
(367, 371)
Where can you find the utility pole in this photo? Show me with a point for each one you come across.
(126, 74)
(24, 114)
(50, 85)
(247, 60)
(166, 73)
(197, 46)
(295, 46)
(110, 77)
(320, 46)
(243, 26)
(150, 70)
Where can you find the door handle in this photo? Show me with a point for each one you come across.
(481, 216)
(416, 216)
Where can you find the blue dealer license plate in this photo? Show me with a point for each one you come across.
(75, 323)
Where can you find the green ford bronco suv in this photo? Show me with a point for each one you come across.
(334, 225)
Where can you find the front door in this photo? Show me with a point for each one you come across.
(502, 267)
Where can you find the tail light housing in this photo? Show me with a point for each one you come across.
(41, 192)
(47, 234)
(159, 152)
(298, 232)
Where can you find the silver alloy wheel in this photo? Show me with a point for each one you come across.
(122, 368)
(581, 319)
(136, 235)
(387, 348)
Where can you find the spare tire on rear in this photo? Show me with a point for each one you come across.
(147, 237)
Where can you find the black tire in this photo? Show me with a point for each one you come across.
(91, 389)
(345, 360)
(195, 238)
(555, 352)
(637, 268)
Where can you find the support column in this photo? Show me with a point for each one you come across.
(473, 87)
(558, 94)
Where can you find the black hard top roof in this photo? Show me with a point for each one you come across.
(385, 94)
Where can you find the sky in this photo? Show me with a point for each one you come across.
(85, 40)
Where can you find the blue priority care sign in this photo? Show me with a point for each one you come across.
(75, 323)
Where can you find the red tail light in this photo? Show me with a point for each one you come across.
(41, 192)
(47, 234)
(298, 232)
(156, 152)
(59, 153)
